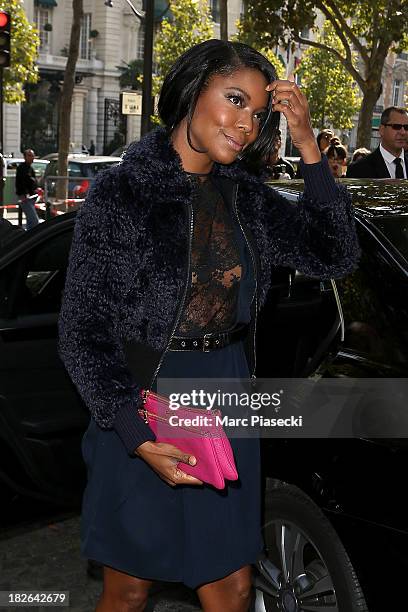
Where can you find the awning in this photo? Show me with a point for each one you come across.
(46, 3)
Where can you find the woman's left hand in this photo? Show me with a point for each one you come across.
(289, 100)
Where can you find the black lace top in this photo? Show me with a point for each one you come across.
(216, 270)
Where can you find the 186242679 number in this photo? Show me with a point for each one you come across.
(33, 598)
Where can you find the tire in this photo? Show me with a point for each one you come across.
(314, 573)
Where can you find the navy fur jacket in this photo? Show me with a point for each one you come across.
(128, 263)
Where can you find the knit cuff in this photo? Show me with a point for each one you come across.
(131, 428)
(319, 181)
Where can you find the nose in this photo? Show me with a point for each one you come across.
(245, 121)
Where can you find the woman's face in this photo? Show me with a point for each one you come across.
(337, 166)
(226, 119)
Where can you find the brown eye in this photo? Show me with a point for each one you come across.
(236, 100)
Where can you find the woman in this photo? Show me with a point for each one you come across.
(176, 242)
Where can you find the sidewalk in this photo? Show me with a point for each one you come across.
(48, 558)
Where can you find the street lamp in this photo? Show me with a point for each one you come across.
(147, 18)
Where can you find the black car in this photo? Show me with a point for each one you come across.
(336, 526)
(335, 513)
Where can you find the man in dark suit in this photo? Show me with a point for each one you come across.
(389, 160)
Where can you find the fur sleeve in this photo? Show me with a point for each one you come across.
(101, 262)
(315, 237)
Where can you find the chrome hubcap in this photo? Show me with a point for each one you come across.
(293, 577)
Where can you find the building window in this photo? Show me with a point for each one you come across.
(215, 10)
(396, 92)
(43, 17)
(140, 42)
(85, 39)
(305, 33)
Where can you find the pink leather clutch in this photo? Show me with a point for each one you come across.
(206, 441)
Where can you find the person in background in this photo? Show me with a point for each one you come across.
(337, 157)
(92, 148)
(277, 167)
(359, 154)
(26, 188)
(389, 160)
(324, 139)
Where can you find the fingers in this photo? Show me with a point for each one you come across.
(178, 477)
(164, 459)
(288, 94)
(177, 453)
(181, 477)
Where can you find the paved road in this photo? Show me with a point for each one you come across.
(47, 557)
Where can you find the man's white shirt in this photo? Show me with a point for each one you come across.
(389, 162)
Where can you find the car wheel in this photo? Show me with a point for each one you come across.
(305, 567)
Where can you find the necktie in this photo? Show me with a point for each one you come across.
(399, 172)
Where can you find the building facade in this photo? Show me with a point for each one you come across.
(111, 37)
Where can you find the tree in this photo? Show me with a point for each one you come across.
(191, 23)
(24, 52)
(242, 36)
(331, 90)
(370, 27)
(66, 97)
(131, 74)
(224, 19)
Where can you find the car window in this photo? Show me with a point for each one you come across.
(13, 165)
(370, 300)
(52, 168)
(39, 168)
(396, 230)
(75, 169)
(34, 283)
(93, 169)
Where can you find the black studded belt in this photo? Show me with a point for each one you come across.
(209, 342)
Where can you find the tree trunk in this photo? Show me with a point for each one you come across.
(224, 19)
(370, 96)
(64, 129)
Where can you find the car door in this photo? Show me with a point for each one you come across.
(42, 417)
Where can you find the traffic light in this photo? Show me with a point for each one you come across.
(5, 23)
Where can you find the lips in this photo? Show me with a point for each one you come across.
(236, 145)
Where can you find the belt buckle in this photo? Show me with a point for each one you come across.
(206, 343)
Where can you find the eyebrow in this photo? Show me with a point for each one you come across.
(245, 93)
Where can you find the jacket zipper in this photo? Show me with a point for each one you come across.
(181, 307)
(253, 376)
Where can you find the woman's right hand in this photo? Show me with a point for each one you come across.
(163, 459)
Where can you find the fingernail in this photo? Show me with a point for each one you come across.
(192, 460)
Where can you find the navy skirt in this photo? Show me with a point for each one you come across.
(136, 523)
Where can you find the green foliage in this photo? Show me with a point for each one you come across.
(190, 24)
(270, 21)
(242, 36)
(331, 91)
(370, 27)
(131, 74)
(24, 52)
